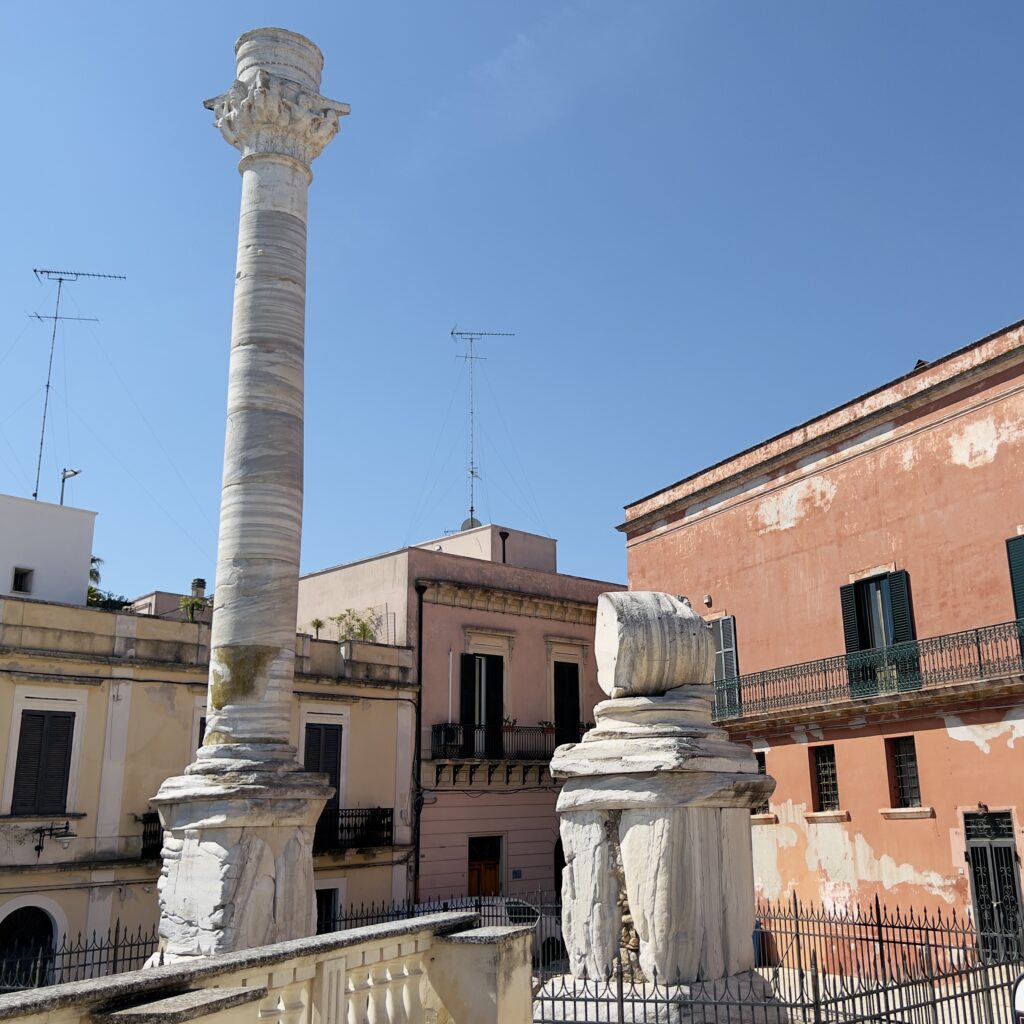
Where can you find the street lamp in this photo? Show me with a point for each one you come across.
(65, 475)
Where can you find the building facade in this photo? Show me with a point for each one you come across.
(508, 672)
(864, 573)
(98, 708)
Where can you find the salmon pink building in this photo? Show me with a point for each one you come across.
(504, 645)
(864, 573)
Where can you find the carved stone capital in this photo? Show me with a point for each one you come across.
(274, 115)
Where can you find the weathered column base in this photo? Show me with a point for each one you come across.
(237, 860)
(737, 999)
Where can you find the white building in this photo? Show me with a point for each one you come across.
(45, 550)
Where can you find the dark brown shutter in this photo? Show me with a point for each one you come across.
(848, 600)
(467, 702)
(902, 612)
(467, 690)
(44, 762)
(495, 689)
(567, 702)
(323, 754)
(30, 756)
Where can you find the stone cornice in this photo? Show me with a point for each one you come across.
(509, 602)
(273, 115)
(891, 401)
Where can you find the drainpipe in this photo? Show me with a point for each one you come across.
(417, 801)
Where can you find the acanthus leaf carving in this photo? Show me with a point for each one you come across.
(270, 114)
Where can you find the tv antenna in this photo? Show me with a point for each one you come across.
(60, 276)
(471, 338)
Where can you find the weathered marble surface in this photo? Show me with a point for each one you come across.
(239, 823)
(655, 809)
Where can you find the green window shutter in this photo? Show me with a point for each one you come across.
(730, 662)
(312, 755)
(848, 601)
(323, 754)
(1015, 553)
(902, 611)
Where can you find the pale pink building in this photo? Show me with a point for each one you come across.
(508, 671)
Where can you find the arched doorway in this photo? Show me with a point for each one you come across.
(26, 949)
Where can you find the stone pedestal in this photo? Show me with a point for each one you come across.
(655, 809)
(239, 823)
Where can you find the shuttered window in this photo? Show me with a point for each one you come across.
(323, 754)
(1015, 553)
(726, 661)
(44, 762)
(877, 612)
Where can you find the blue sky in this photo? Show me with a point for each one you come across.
(704, 222)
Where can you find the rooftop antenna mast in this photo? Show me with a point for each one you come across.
(471, 338)
(60, 276)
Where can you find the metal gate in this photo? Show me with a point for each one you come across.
(995, 883)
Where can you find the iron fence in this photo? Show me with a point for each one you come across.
(455, 741)
(32, 965)
(815, 965)
(990, 652)
(341, 829)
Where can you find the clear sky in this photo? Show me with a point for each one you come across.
(705, 222)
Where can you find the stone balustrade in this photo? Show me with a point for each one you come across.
(436, 968)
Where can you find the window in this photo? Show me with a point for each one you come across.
(878, 628)
(826, 784)
(21, 583)
(322, 753)
(567, 702)
(904, 784)
(762, 769)
(726, 662)
(481, 704)
(44, 762)
(327, 911)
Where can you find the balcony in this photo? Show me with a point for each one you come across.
(353, 828)
(454, 741)
(976, 655)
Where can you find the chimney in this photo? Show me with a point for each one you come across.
(199, 587)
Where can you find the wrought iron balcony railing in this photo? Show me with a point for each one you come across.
(454, 741)
(353, 828)
(990, 652)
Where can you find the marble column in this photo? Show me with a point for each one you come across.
(239, 823)
(655, 807)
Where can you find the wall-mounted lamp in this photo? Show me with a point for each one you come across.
(707, 600)
(62, 833)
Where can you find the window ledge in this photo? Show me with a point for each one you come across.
(824, 817)
(895, 813)
(764, 819)
(74, 815)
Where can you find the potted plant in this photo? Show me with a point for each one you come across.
(546, 725)
(508, 724)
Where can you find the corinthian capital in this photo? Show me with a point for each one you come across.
(270, 114)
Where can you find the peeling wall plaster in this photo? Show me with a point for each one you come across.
(982, 736)
(976, 444)
(841, 861)
(785, 508)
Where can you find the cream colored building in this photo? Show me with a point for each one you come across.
(98, 708)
